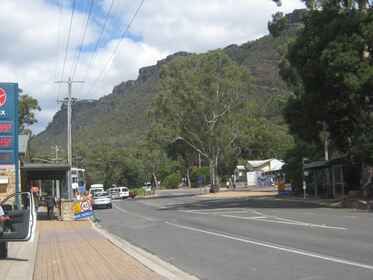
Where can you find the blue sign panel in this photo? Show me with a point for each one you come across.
(9, 126)
(8, 123)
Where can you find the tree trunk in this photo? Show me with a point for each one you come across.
(216, 172)
(155, 180)
(188, 177)
(213, 175)
(212, 172)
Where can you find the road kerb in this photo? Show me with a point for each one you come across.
(149, 260)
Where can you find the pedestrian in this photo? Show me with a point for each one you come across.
(78, 196)
(50, 206)
(3, 218)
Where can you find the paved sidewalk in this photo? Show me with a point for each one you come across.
(20, 262)
(74, 250)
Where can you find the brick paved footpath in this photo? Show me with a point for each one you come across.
(75, 251)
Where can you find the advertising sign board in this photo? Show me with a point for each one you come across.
(9, 130)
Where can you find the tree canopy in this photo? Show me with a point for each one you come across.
(200, 102)
(27, 107)
(332, 60)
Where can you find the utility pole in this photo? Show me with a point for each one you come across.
(56, 151)
(69, 100)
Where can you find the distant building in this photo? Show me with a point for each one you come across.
(258, 172)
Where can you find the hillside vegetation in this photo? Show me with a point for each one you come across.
(119, 120)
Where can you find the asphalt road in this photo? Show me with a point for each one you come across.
(259, 239)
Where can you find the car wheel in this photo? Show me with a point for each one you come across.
(110, 206)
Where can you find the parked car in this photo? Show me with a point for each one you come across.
(102, 200)
(119, 193)
(147, 187)
(96, 188)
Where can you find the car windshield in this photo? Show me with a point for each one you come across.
(101, 194)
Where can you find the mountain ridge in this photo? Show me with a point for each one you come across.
(119, 118)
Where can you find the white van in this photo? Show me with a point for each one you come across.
(119, 193)
(96, 188)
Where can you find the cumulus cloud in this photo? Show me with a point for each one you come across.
(198, 26)
(35, 35)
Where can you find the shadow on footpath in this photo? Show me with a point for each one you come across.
(15, 259)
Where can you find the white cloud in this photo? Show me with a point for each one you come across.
(198, 26)
(32, 53)
(34, 35)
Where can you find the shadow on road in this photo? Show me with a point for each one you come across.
(258, 202)
(166, 196)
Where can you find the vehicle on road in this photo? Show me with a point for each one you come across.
(17, 220)
(119, 193)
(96, 188)
(102, 200)
(147, 187)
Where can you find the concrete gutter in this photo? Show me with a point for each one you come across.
(149, 260)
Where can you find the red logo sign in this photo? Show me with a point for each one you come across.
(5, 127)
(2, 97)
(6, 142)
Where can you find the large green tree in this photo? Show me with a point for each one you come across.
(332, 62)
(200, 103)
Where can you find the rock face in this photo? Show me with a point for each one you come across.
(119, 119)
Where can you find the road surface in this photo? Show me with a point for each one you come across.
(259, 239)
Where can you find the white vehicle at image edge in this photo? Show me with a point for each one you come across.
(102, 200)
(21, 224)
(119, 193)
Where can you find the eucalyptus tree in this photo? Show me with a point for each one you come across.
(200, 101)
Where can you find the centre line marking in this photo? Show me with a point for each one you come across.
(136, 215)
(276, 247)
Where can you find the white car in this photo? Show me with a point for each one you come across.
(102, 200)
(147, 187)
(119, 193)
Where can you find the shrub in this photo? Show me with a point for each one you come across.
(200, 172)
(172, 181)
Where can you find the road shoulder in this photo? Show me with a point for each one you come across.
(149, 260)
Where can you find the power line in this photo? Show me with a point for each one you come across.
(83, 39)
(98, 42)
(125, 31)
(59, 4)
(68, 40)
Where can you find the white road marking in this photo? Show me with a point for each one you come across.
(276, 247)
(283, 221)
(224, 212)
(214, 212)
(134, 214)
